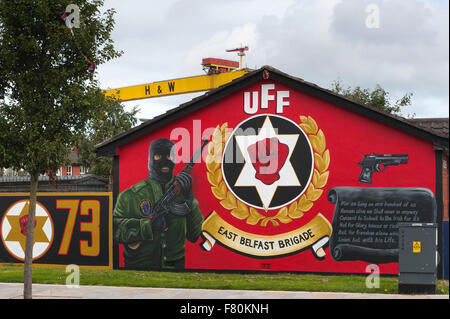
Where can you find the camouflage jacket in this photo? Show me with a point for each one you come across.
(157, 249)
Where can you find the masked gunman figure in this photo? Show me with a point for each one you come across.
(154, 241)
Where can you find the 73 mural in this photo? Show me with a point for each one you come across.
(70, 228)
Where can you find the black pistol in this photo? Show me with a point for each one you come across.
(377, 163)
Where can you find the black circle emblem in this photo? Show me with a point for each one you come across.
(267, 162)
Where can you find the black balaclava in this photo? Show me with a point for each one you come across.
(163, 147)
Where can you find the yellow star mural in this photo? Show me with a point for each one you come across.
(16, 234)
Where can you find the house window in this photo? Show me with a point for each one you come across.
(82, 170)
(69, 170)
(59, 172)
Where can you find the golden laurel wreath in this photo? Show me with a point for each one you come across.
(286, 214)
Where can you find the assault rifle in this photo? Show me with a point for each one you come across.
(166, 203)
(377, 163)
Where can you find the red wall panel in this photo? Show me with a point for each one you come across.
(348, 137)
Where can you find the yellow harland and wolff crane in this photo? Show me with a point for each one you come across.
(219, 72)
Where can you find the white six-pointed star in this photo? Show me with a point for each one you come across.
(288, 177)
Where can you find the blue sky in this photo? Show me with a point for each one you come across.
(317, 40)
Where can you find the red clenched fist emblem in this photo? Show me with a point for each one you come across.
(23, 224)
(268, 157)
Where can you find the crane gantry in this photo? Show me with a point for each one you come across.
(218, 72)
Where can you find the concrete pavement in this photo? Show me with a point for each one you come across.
(40, 291)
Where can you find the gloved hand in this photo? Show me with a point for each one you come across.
(158, 223)
(185, 182)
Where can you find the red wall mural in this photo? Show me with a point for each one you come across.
(70, 228)
(269, 187)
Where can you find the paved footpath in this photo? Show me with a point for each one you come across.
(15, 291)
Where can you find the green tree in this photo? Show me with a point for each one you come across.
(46, 93)
(111, 120)
(377, 98)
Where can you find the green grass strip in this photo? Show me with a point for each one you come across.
(207, 280)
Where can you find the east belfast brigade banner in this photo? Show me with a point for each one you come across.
(314, 235)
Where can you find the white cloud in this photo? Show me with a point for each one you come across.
(327, 40)
(317, 40)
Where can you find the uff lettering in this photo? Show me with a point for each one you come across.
(251, 99)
